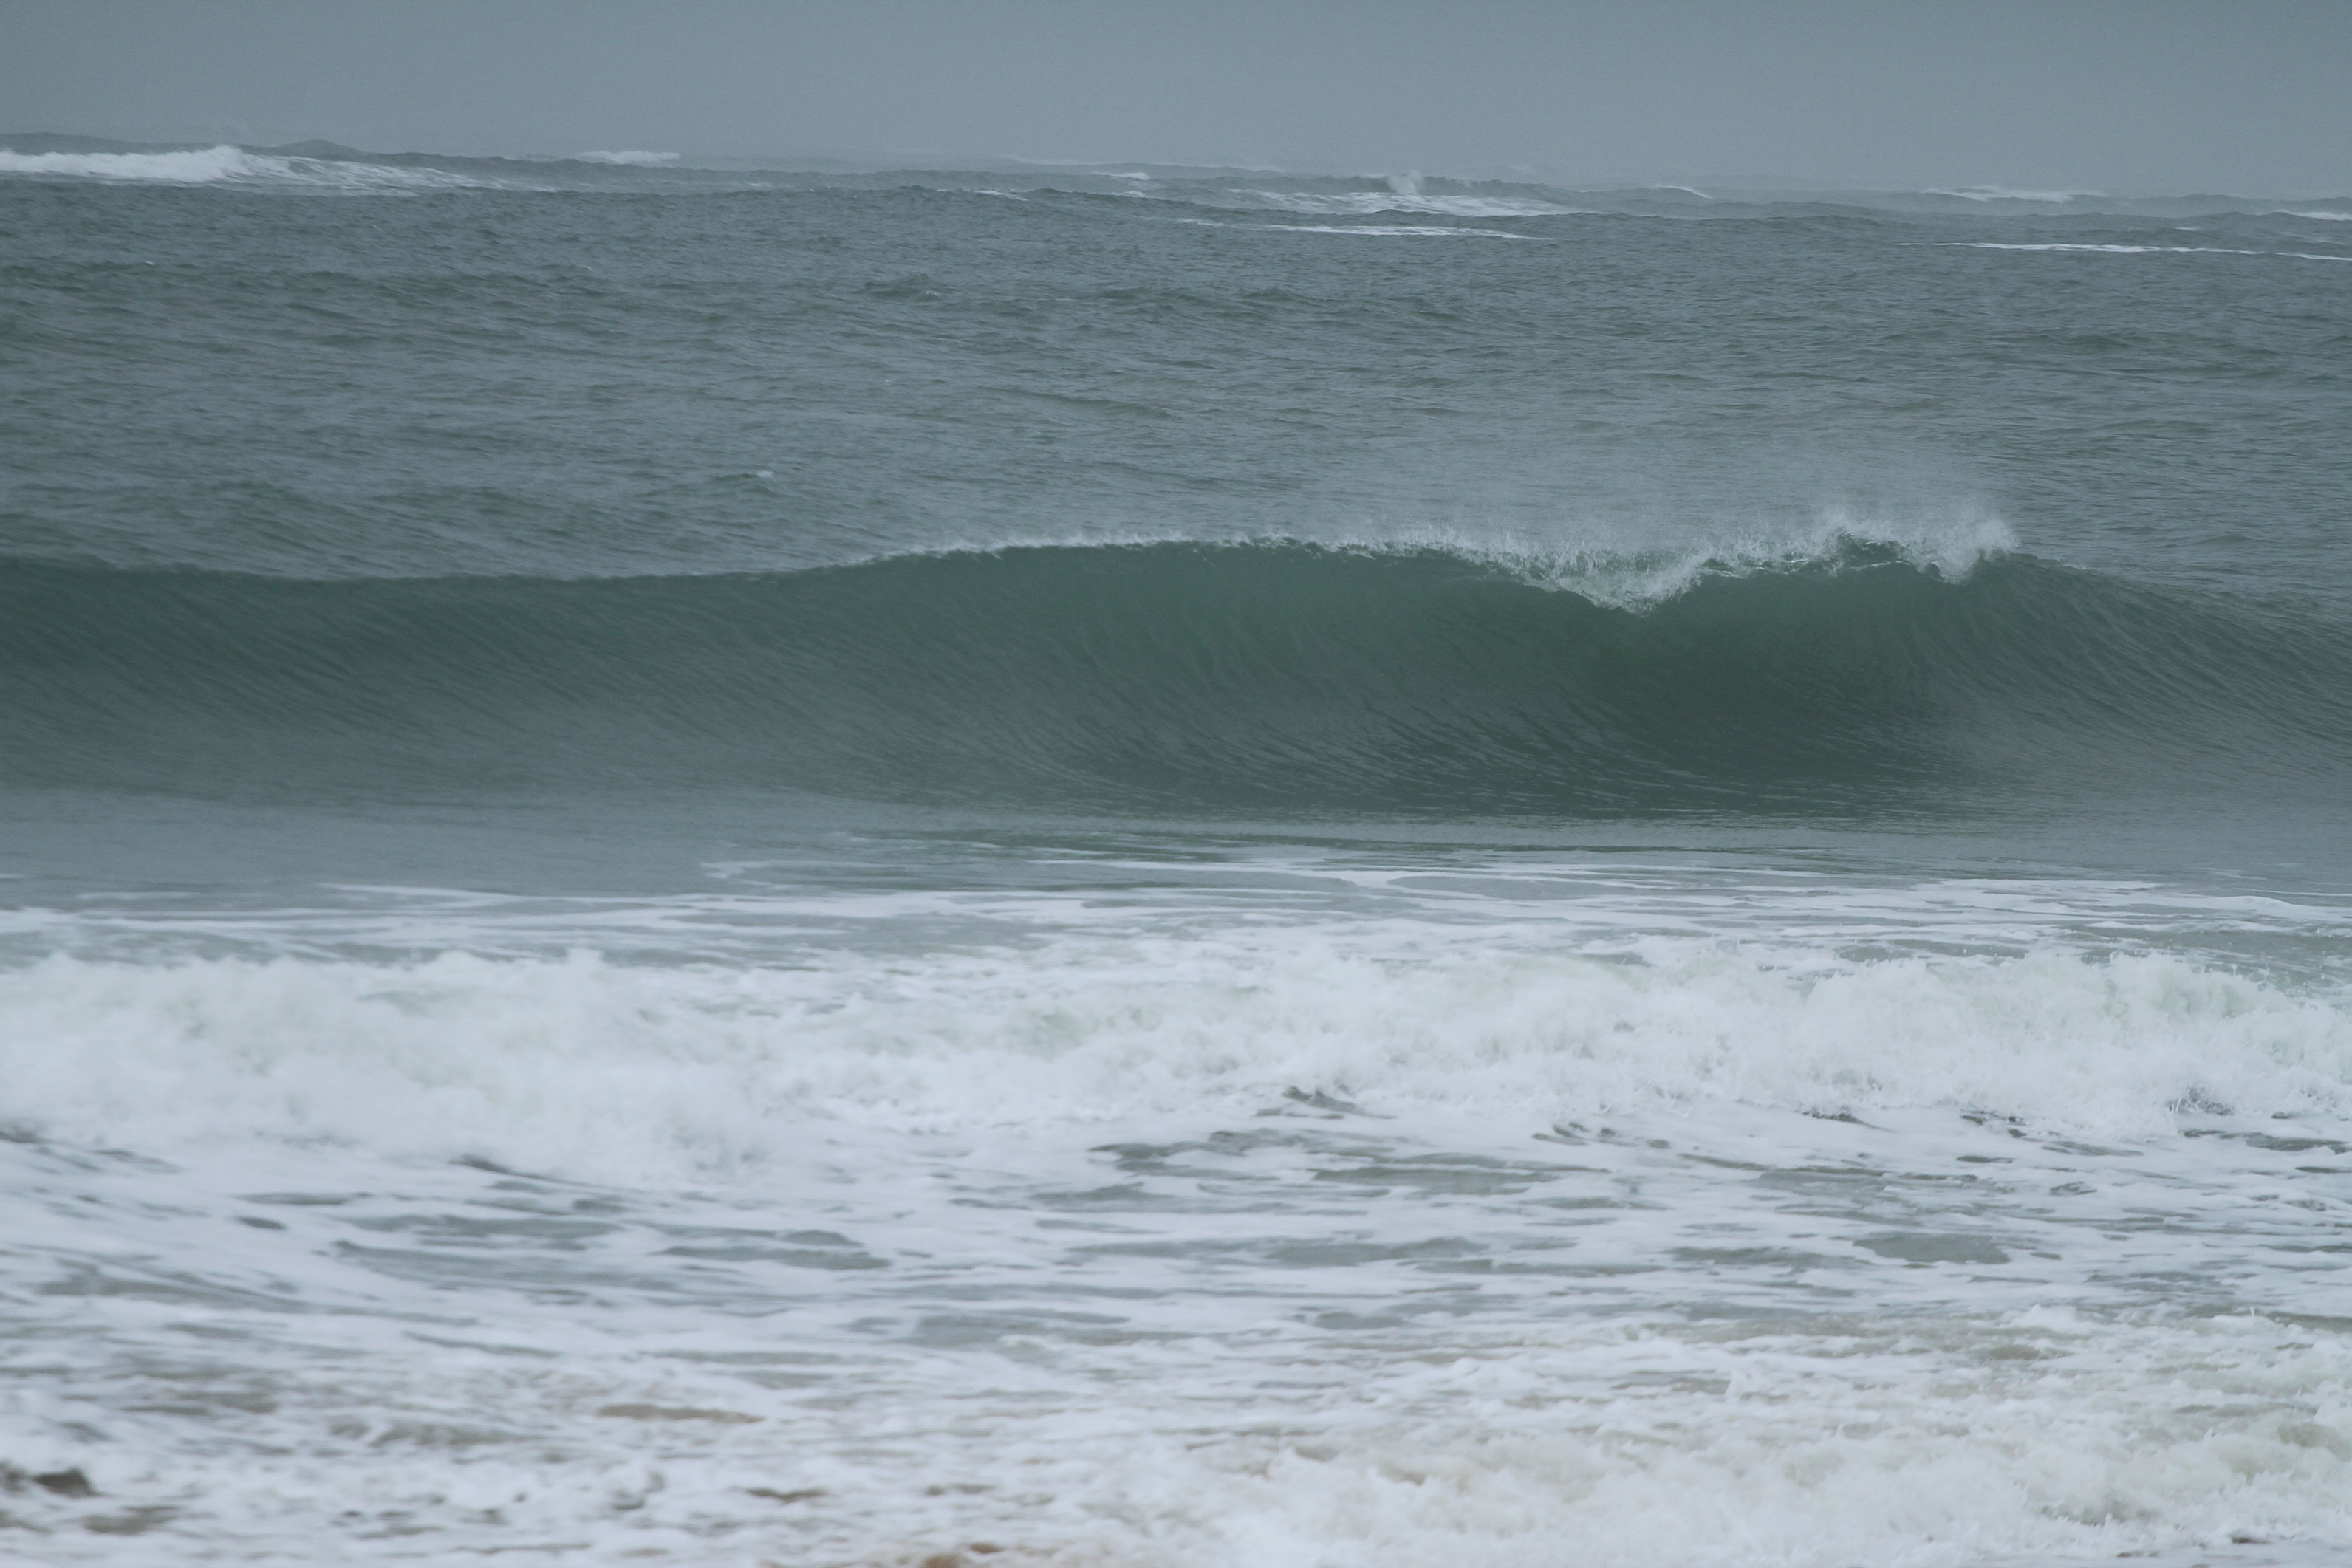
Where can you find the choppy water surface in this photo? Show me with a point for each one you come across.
(1167, 867)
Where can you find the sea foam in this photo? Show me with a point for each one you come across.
(1952, 542)
(1433, 1374)
(226, 164)
(628, 1071)
(2007, 194)
(2138, 249)
(1406, 193)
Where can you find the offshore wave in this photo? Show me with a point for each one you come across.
(2010, 194)
(2085, 249)
(1381, 231)
(1185, 676)
(1414, 193)
(226, 164)
(1340, 197)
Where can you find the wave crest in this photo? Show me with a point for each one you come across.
(1408, 194)
(1951, 548)
(225, 164)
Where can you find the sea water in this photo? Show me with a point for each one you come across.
(1172, 868)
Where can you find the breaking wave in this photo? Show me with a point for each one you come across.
(630, 1072)
(225, 164)
(1410, 193)
(1185, 676)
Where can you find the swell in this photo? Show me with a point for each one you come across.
(97, 160)
(1178, 675)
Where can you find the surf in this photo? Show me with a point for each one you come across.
(1265, 675)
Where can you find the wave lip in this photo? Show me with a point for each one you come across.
(1948, 548)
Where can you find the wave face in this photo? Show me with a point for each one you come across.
(1181, 675)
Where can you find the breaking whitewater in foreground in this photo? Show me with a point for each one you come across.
(1167, 869)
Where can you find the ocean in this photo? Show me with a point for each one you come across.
(1129, 867)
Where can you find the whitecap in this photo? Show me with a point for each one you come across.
(1403, 193)
(2009, 193)
(225, 164)
(2135, 249)
(1379, 229)
(1952, 544)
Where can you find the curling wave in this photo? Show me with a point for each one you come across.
(1177, 676)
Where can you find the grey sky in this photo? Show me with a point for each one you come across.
(2251, 96)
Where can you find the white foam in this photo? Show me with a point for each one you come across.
(1954, 543)
(2136, 249)
(1379, 229)
(1404, 194)
(2009, 193)
(634, 1072)
(1175, 1363)
(2103, 249)
(2042, 1438)
(631, 159)
(1953, 540)
(227, 165)
(191, 168)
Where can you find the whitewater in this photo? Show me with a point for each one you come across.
(750, 865)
